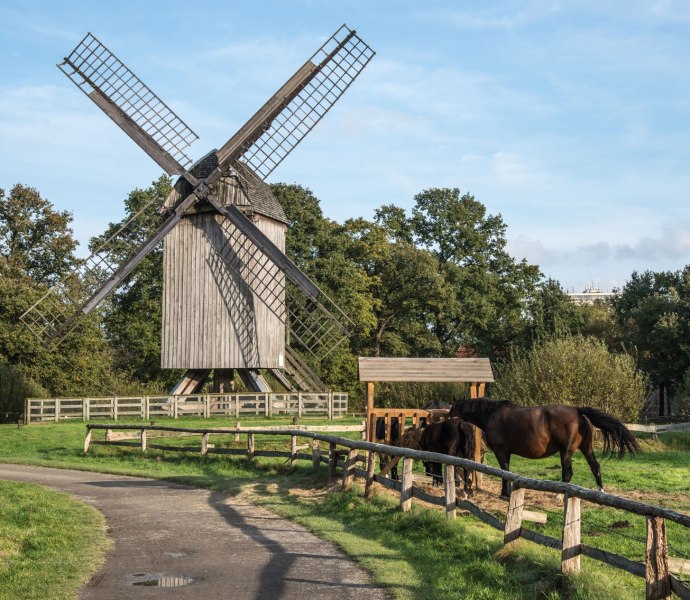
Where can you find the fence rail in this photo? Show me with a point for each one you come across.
(331, 404)
(656, 570)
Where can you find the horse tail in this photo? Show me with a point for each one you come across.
(467, 446)
(618, 439)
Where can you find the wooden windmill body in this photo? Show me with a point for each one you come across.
(212, 317)
(231, 299)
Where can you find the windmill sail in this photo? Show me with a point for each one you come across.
(283, 122)
(128, 101)
(315, 324)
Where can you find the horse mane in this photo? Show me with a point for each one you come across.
(480, 405)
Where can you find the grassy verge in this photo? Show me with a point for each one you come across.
(417, 554)
(50, 543)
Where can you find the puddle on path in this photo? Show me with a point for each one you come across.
(166, 581)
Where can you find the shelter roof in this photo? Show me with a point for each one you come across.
(460, 370)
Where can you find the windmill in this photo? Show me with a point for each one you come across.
(232, 300)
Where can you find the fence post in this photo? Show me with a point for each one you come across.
(147, 407)
(108, 435)
(204, 444)
(511, 532)
(250, 446)
(656, 561)
(371, 467)
(332, 460)
(293, 450)
(266, 411)
(87, 440)
(57, 409)
(315, 454)
(363, 435)
(299, 405)
(270, 405)
(237, 406)
(406, 485)
(27, 408)
(143, 440)
(207, 407)
(175, 407)
(449, 485)
(331, 410)
(86, 409)
(349, 472)
(237, 435)
(570, 553)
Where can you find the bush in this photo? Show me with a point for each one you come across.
(14, 389)
(576, 371)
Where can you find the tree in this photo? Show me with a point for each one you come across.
(572, 370)
(653, 312)
(35, 240)
(36, 250)
(490, 288)
(133, 314)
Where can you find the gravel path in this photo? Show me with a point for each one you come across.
(192, 543)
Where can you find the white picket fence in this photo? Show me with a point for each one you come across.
(331, 404)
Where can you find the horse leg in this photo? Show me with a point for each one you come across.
(467, 475)
(504, 462)
(566, 465)
(594, 466)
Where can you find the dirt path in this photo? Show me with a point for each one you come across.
(200, 544)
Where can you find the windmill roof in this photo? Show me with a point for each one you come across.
(258, 194)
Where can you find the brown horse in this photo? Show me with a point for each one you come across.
(454, 437)
(541, 431)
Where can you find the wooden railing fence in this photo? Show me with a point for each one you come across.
(661, 583)
(330, 404)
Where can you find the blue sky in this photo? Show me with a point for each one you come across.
(570, 119)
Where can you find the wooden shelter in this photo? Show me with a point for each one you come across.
(473, 371)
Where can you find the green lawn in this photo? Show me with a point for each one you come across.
(417, 554)
(50, 543)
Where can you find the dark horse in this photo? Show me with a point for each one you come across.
(381, 437)
(541, 431)
(454, 437)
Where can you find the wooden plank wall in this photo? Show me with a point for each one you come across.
(211, 319)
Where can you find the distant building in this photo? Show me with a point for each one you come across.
(591, 295)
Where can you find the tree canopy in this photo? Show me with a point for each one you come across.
(420, 283)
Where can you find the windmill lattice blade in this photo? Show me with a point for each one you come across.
(56, 312)
(316, 327)
(283, 122)
(130, 103)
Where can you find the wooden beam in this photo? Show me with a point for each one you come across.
(371, 468)
(332, 460)
(570, 552)
(449, 488)
(349, 471)
(406, 487)
(315, 455)
(513, 525)
(658, 586)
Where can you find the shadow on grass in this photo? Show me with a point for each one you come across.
(449, 560)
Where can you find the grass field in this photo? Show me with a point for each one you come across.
(50, 543)
(417, 554)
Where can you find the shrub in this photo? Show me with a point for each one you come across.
(14, 389)
(572, 370)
